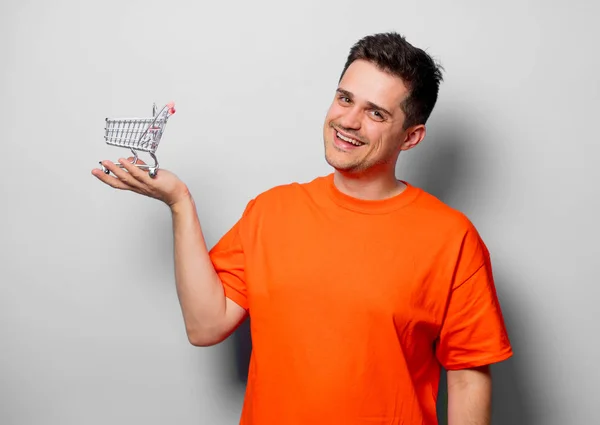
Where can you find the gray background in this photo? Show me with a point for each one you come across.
(90, 326)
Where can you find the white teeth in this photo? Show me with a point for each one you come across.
(346, 139)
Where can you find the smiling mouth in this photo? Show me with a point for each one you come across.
(347, 140)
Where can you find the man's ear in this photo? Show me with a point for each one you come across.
(414, 136)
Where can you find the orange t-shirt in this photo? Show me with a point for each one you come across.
(354, 305)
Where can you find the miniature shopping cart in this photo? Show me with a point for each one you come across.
(139, 134)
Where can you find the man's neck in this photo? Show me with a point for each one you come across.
(368, 187)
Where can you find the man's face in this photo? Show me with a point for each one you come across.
(366, 109)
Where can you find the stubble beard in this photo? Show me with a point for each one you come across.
(350, 166)
(354, 165)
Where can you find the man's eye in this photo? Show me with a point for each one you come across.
(378, 115)
(344, 99)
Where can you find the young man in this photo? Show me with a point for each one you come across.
(360, 287)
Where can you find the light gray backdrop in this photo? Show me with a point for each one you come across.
(90, 327)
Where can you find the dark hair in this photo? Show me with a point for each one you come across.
(393, 54)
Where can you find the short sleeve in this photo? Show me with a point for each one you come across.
(473, 333)
(229, 261)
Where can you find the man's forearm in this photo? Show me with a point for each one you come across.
(199, 288)
(469, 397)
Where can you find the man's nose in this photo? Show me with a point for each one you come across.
(351, 118)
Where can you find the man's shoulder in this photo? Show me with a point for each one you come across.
(436, 212)
(446, 226)
(282, 196)
(293, 189)
(281, 204)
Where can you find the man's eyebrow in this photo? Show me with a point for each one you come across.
(370, 104)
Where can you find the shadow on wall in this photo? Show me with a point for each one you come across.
(444, 166)
(242, 343)
(510, 403)
(443, 162)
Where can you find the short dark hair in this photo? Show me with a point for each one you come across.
(393, 54)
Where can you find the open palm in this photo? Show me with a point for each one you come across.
(165, 186)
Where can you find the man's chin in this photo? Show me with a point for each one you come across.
(341, 166)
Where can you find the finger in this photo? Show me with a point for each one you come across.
(111, 181)
(138, 161)
(136, 172)
(119, 176)
(122, 174)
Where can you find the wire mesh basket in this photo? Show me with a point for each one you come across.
(139, 135)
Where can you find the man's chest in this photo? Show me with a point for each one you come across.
(341, 273)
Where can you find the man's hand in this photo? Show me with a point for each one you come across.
(165, 186)
(209, 316)
(469, 396)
